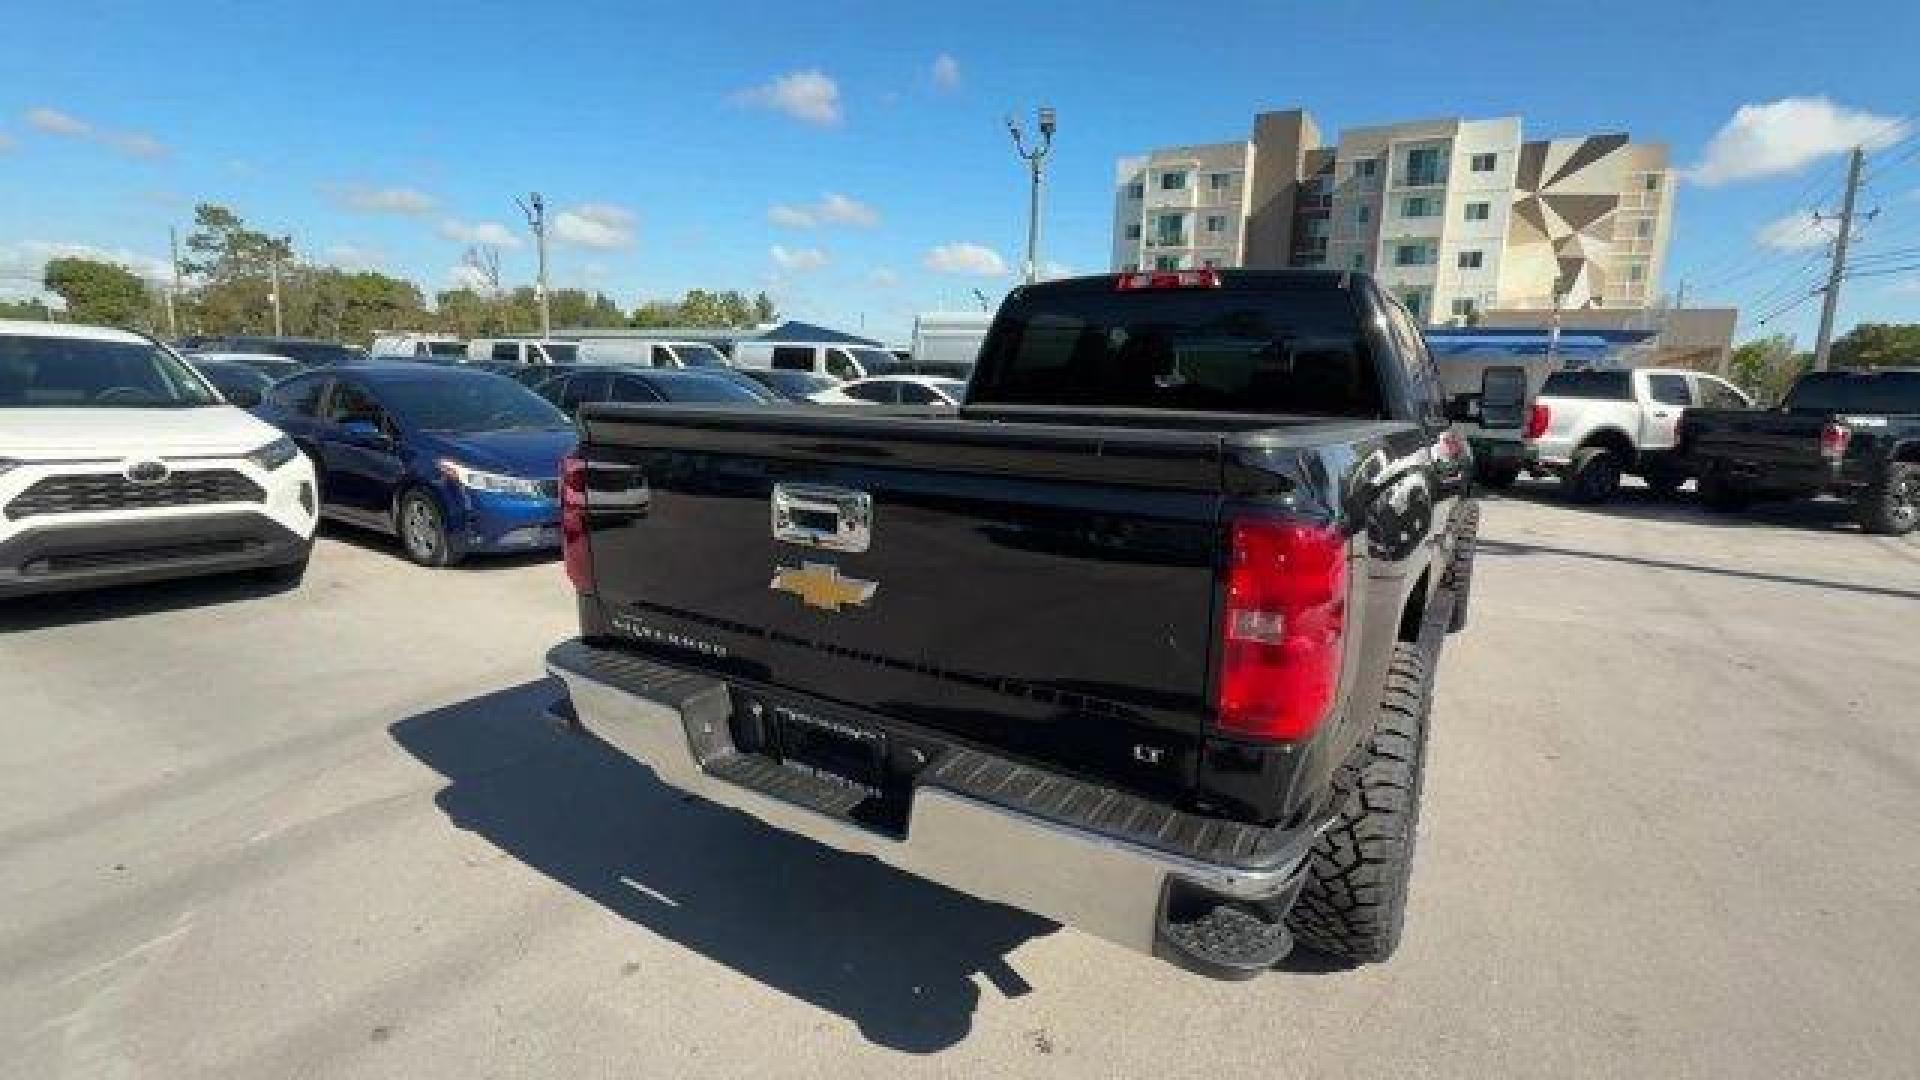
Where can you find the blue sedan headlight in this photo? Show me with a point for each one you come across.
(480, 480)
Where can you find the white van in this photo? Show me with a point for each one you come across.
(646, 352)
(443, 347)
(523, 351)
(946, 342)
(820, 358)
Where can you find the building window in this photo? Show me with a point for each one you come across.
(1316, 228)
(1366, 168)
(1166, 262)
(1170, 230)
(1423, 166)
(1219, 181)
(1412, 255)
(1173, 181)
(1416, 302)
(1643, 228)
(1484, 162)
(1211, 264)
(1419, 206)
(1637, 272)
(1472, 260)
(1653, 181)
(1133, 230)
(1216, 223)
(1358, 261)
(1479, 211)
(1463, 307)
(1362, 214)
(1136, 190)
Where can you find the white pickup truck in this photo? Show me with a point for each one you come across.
(120, 463)
(1591, 427)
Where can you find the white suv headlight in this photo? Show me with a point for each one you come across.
(274, 454)
(479, 480)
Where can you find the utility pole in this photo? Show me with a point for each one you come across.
(1036, 160)
(173, 248)
(1823, 345)
(273, 297)
(536, 211)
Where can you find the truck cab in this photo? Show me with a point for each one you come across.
(1591, 427)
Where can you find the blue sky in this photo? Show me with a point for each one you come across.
(381, 135)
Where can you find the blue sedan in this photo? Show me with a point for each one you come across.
(452, 461)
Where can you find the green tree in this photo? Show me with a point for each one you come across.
(763, 309)
(700, 307)
(222, 247)
(99, 292)
(1766, 367)
(579, 308)
(1878, 345)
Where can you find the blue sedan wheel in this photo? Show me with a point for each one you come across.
(423, 531)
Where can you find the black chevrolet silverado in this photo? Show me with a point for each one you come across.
(1142, 640)
(1853, 433)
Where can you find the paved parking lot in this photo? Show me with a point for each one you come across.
(1670, 831)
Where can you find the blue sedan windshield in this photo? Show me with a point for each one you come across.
(469, 402)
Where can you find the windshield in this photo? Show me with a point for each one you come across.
(468, 402)
(1298, 351)
(700, 356)
(76, 373)
(701, 388)
(875, 361)
(446, 348)
(1856, 392)
(231, 378)
(309, 353)
(793, 384)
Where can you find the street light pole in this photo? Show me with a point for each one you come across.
(536, 210)
(1036, 160)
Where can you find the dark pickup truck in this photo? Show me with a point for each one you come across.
(1853, 433)
(1142, 640)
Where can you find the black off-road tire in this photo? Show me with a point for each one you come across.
(1720, 494)
(1354, 901)
(1891, 504)
(1594, 475)
(1498, 477)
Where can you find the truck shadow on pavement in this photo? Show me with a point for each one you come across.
(892, 953)
(1640, 504)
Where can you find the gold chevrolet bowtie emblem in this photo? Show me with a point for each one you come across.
(820, 585)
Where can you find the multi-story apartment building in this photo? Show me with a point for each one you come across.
(1456, 217)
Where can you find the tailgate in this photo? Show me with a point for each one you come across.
(1046, 592)
(1767, 442)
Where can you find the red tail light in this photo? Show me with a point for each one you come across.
(573, 523)
(1537, 422)
(1282, 630)
(1203, 278)
(1834, 439)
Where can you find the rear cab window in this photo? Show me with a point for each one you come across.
(1590, 385)
(1297, 350)
(1870, 393)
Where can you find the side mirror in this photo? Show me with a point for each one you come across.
(364, 433)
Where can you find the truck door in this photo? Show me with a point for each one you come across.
(1668, 395)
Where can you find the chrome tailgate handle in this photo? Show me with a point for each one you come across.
(816, 516)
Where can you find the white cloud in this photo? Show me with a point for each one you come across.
(356, 257)
(946, 72)
(964, 258)
(467, 277)
(55, 122)
(809, 95)
(136, 144)
(797, 259)
(132, 143)
(23, 265)
(1795, 232)
(832, 209)
(594, 225)
(394, 200)
(479, 232)
(883, 278)
(1785, 136)
(791, 217)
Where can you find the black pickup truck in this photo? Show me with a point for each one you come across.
(1142, 640)
(1853, 433)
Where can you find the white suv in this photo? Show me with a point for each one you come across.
(119, 463)
(1590, 427)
